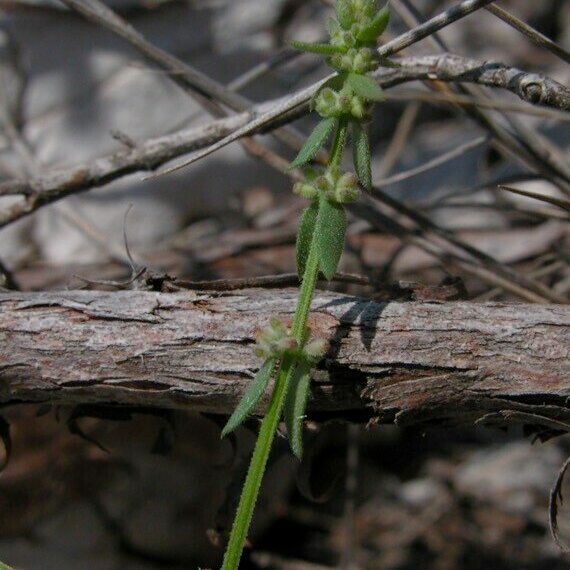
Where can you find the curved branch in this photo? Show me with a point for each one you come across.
(406, 362)
(153, 153)
(533, 88)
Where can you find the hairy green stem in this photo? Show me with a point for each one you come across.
(270, 423)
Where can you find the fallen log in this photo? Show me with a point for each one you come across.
(403, 362)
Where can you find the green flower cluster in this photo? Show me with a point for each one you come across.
(335, 185)
(358, 24)
(347, 98)
(331, 103)
(275, 341)
(356, 60)
(353, 35)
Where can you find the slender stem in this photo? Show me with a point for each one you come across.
(270, 423)
(255, 472)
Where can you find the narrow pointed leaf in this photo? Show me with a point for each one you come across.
(311, 173)
(251, 397)
(330, 230)
(343, 13)
(326, 49)
(305, 236)
(295, 406)
(315, 141)
(361, 155)
(365, 87)
(376, 27)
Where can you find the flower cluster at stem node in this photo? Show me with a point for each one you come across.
(336, 186)
(331, 103)
(275, 341)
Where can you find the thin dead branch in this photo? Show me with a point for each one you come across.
(389, 361)
(535, 36)
(153, 153)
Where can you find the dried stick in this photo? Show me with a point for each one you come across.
(390, 361)
(155, 152)
(535, 36)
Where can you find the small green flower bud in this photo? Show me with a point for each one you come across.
(327, 103)
(347, 180)
(331, 176)
(328, 96)
(357, 23)
(285, 344)
(315, 349)
(355, 30)
(364, 61)
(347, 195)
(305, 190)
(361, 60)
(262, 349)
(335, 60)
(346, 189)
(347, 59)
(345, 103)
(336, 39)
(359, 109)
(349, 39)
(277, 326)
(325, 183)
(365, 7)
(275, 340)
(338, 186)
(359, 63)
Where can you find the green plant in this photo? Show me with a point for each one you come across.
(344, 104)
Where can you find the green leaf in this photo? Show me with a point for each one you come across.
(365, 87)
(326, 49)
(311, 173)
(251, 397)
(316, 139)
(305, 236)
(330, 229)
(376, 27)
(5, 566)
(344, 13)
(361, 155)
(295, 406)
(336, 82)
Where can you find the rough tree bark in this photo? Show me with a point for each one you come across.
(407, 362)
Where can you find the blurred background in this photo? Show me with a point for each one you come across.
(89, 488)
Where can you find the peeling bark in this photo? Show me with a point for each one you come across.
(407, 362)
